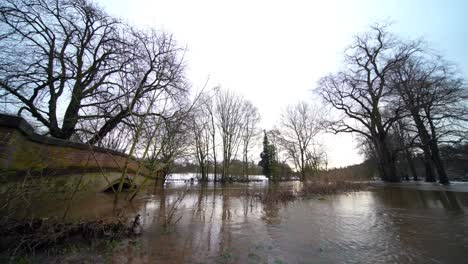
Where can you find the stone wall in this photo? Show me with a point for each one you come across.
(22, 150)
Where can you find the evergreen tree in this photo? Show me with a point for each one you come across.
(264, 157)
(268, 159)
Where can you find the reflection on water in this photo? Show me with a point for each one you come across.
(214, 223)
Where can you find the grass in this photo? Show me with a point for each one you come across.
(26, 237)
(326, 183)
(332, 182)
(326, 188)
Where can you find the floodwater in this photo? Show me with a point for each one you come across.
(194, 223)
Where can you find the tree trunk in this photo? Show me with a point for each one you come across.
(71, 114)
(386, 163)
(409, 159)
(107, 127)
(245, 167)
(215, 169)
(163, 175)
(303, 176)
(425, 141)
(443, 179)
(204, 176)
(215, 162)
(430, 173)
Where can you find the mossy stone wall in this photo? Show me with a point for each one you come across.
(24, 151)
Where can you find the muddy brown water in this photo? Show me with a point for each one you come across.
(400, 223)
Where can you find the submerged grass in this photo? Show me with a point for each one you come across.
(326, 183)
(332, 182)
(26, 237)
(325, 188)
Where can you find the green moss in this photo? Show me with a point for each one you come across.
(27, 157)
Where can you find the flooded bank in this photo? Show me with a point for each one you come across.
(195, 223)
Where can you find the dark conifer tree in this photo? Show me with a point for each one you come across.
(268, 159)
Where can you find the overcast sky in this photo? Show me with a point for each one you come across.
(273, 52)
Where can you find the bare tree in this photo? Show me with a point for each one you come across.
(155, 67)
(249, 131)
(172, 142)
(435, 98)
(362, 94)
(229, 118)
(300, 125)
(208, 106)
(201, 129)
(57, 54)
(75, 69)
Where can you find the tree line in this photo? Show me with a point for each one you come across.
(83, 75)
(225, 128)
(402, 98)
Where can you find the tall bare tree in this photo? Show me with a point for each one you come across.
(212, 129)
(361, 92)
(57, 54)
(299, 126)
(249, 131)
(435, 97)
(229, 117)
(201, 129)
(75, 69)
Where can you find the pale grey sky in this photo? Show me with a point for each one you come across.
(273, 52)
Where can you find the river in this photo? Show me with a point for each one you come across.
(194, 223)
